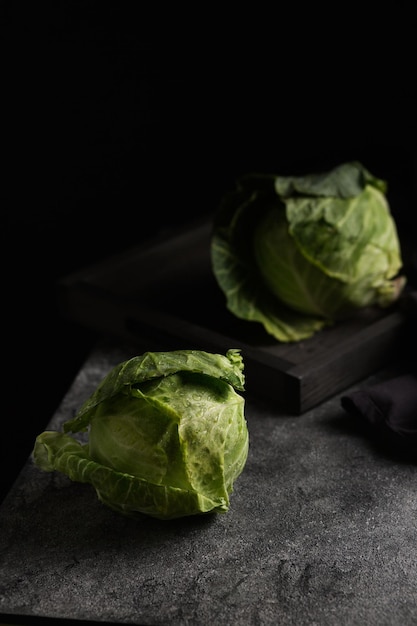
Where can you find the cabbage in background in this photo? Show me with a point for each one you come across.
(298, 253)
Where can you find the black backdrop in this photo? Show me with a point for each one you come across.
(122, 124)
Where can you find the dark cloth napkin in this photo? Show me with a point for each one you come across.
(392, 403)
(389, 408)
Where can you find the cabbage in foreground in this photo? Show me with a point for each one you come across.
(167, 436)
(299, 253)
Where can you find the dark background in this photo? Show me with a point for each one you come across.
(121, 125)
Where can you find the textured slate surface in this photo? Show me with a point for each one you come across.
(322, 530)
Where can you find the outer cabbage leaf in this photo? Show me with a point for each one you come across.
(151, 365)
(119, 491)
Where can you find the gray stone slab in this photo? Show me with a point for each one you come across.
(322, 530)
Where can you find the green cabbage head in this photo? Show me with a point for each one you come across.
(167, 436)
(298, 253)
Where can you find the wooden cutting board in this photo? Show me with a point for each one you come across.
(163, 295)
